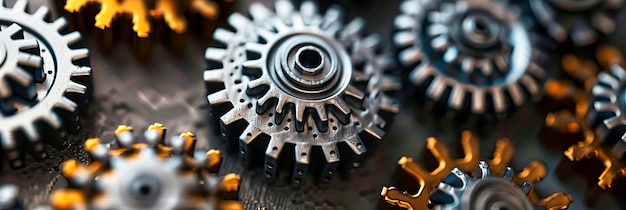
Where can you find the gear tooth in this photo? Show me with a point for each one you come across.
(219, 97)
(259, 12)
(224, 36)
(604, 23)
(404, 38)
(59, 24)
(30, 131)
(356, 145)
(12, 29)
(302, 154)
(436, 88)
(498, 100)
(321, 112)
(404, 22)
(214, 76)
(26, 43)
(53, 120)
(81, 71)
(20, 76)
(300, 112)
(249, 134)
(215, 54)
(352, 29)
(530, 84)
(332, 17)
(308, 10)
(270, 94)
(283, 8)
(67, 104)
(375, 131)
(20, 5)
(618, 72)
(79, 54)
(457, 97)
(29, 60)
(516, 94)
(238, 21)
(331, 152)
(354, 92)
(255, 47)
(5, 90)
(230, 117)
(341, 105)
(41, 13)
(601, 91)
(72, 37)
(73, 87)
(261, 81)
(612, 122)
(274, 148)
(410, 56)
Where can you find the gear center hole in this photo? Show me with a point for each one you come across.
(310, 60)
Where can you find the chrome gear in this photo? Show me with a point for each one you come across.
(461, 191)
(20, 66)
(150, 175)
(60, 94)
(473, 56)
(581, 22)
(302, 79)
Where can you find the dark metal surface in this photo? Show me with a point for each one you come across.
(171, 91)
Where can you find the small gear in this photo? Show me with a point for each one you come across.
(9, 197)
(20, 67)
(162, 18)
(581, 22)
(60, 92)
(303, 80)
(472, 56)
(445, 196)
(150, 175)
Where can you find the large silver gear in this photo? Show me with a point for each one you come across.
(149, 175)
(607, 108)
(300, 79)
(60, 93)
(472, 56)
(581, 22)
(20, 66)
(460, 191)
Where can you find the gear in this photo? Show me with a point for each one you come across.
(147, 18)
(302, 79)
(8, 197)
(445, 196)
(472, 56)
(20, 66)
(150, 175)
(61, 92)
(581, 22)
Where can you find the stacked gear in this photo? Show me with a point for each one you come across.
(298, 80)
(472, 59)
(448, 186)
(149, 175)
(44, 77)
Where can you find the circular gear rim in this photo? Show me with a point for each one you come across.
(282, 131)
(522, 80)
(592, 18)
(43, 112)
(608, 105)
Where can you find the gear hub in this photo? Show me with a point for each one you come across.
(60, 92)
(150, 175)
(304, 80)
(474, 57)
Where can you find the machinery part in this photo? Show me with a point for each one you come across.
(580, 22)
(61, 93)
(474, 57)
(8, 197)
(300, 79)
(163, 18)
(20, 66)
(430, 181)
(150, 175)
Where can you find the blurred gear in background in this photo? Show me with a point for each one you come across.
(440, 189)
(580, 23)
(8, 197)
(141, 22)
(147, 175)
(473, 60)
(46, 115)
(300, 84)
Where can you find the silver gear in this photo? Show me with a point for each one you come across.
(473, 56)
(20, 67)
(581, 22)
(302, 79)
(59, 95)
(607, 109)
(150, 175)
(460, 191)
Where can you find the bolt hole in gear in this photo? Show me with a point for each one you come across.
(151, 174)
(474, 60)
(44, 80)
(457, 184)
(298, 82)
(143, 22)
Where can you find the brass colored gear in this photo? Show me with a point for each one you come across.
(498, 165)
(149, 175)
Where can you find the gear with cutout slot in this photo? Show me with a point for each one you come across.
(148, 175)
(430, 182)
(474, 57)
(61, 90)
(303, 79)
